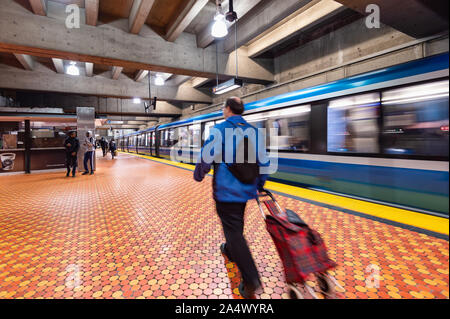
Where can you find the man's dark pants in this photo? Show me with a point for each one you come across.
(232, 217)
(71, 161)
(89, 156)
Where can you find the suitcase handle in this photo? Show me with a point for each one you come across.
(265, 193)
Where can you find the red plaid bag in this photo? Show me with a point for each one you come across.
(301, 249)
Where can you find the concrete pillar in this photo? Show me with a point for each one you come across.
(85, 123)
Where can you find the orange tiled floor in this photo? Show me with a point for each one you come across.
(140, 229)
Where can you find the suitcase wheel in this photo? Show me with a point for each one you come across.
(328, 285)
(295, 293)
(305, 292)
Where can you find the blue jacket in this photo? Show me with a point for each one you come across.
(228, 188)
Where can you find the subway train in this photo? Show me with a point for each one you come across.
(381, 136)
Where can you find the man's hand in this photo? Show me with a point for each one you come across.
(69, 145)
(74, 153)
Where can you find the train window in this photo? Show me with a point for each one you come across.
(208, 127)
(142, 140)
(287, 129)
(194, 135)
(164, 138)
(183, 136)
(353, 124)
(415, 120)
(173, 137)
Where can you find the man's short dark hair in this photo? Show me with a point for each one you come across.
(236, 105)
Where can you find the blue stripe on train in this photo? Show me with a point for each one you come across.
(422, 181)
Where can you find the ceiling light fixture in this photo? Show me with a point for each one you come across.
(159, 80)
(234, 83)
(228, 86)
(137, 100)
(72, 69)
(219, 28)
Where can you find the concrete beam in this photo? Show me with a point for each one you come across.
(185, 18)
(92, 7)
(204, 38)
(307, 16)
(59, 65)
(178, 80)
(116, 71)
(26, 61)
(89, 69)
(39, 7)
(109, 45)
(416, 18)
(197, 82)
(138, 15)
(140, 75)
(44, 80)
(262, 18)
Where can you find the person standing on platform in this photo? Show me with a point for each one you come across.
(112, 148)
(72, 146)
(89, 144)
(231, 194)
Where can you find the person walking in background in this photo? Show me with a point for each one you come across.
(89, 144)
(103, 144)
(232, 192)
(72, 146)
(113, 148)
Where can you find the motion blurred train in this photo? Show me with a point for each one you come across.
(381, 136)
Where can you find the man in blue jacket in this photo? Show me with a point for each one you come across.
(231, 195)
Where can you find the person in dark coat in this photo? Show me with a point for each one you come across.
(103, 144)
(113, 148)
(72, 145)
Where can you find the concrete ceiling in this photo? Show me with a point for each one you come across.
(121, 40)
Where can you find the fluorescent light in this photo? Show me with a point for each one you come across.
(228, 86)
(137, 100)
(369, 99)
(72, 69)
(159, 81)
(417, 92)
(417, 99)
(219, 28)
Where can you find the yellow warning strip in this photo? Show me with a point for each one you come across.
(403, 216)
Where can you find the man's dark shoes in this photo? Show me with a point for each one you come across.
(223, 250)
(246, 291)
(85, 173)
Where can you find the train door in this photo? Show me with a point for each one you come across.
(156, 140)
(152, 145)
(136, 138)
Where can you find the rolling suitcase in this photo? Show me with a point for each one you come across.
(301, 250)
